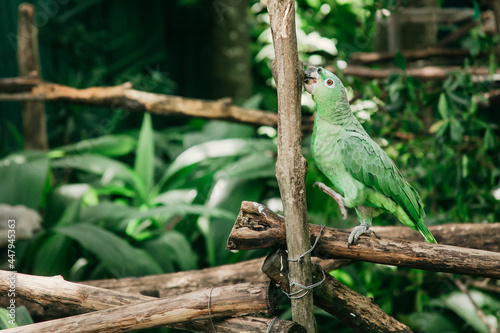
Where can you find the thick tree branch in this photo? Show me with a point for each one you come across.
(162, 285)
(427, 73)
(291, 166)
(357, 311)
(171, 284)
(130, 312)
(124, 96)
(259, 227)
(374, 57)
(244, 324)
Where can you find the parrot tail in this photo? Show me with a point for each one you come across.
(425, 232)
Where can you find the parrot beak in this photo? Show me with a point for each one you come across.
(311, 77)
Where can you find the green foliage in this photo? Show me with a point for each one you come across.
(122, 199)
(22, 317)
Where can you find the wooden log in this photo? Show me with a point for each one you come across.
(481, 236)
(124, 96)
(374, 57)
(55, 291)
(236, 300)
(171, 284)
(353, 309)
(162, 285)
(73, 298)
(18, 84)
(427, 73)
(259, 227)
(28, 58)
(291, 166)
(245, 324)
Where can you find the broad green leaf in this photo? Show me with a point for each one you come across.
(109, 169)
(60, 198)
(443, 106)
(489, 140)
(254, 101)
(184, 209)
(440, 127)
(23, 177)
(119, 257)
(461, 304)
(107, 214)
(171, 250)
(52, 255)
(117, 217)
(5, 320)
(214, 149)
(108, 145)
(225, 194)
(464, 102)
(395, 91)
(145, 154)
(431, 322)
(343, 277)
(71, 213)
(249, 167)
(316, 4)
(456, 130)
(113, 189)
(184, 196)
(400, 61)
(23, 316)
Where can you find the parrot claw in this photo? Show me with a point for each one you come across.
(337, 197)
(358, 231)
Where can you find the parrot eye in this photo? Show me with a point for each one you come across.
(329, 83)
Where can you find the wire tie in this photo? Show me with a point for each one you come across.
(311, 249)
(271, 324)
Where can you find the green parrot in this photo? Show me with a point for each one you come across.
(366, 177)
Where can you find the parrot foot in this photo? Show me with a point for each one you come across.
(358, 231)
(337, 197)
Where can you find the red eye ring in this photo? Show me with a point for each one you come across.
(329, 82)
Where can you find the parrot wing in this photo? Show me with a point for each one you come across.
(370, 165)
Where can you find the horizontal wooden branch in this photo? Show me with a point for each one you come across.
(55, 291)
(140, 311)
(481, 236)
(355, 310)
(259, 227)
(162, 285)
(244, 324)
(171, 284)
(124, 96)
(77, 298)
(374, 57)
(427, 73)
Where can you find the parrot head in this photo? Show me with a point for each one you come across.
(324, 86)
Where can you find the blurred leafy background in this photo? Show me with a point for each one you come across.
(125, 194)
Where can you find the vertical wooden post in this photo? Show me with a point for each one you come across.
(291, 166)
(34, 122)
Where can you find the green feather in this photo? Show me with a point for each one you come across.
(357, 166)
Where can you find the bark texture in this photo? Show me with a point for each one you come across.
(28, 58)
(124, 96)
(355, 310)
(139, 312)
(291, 166)
(259, 227)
